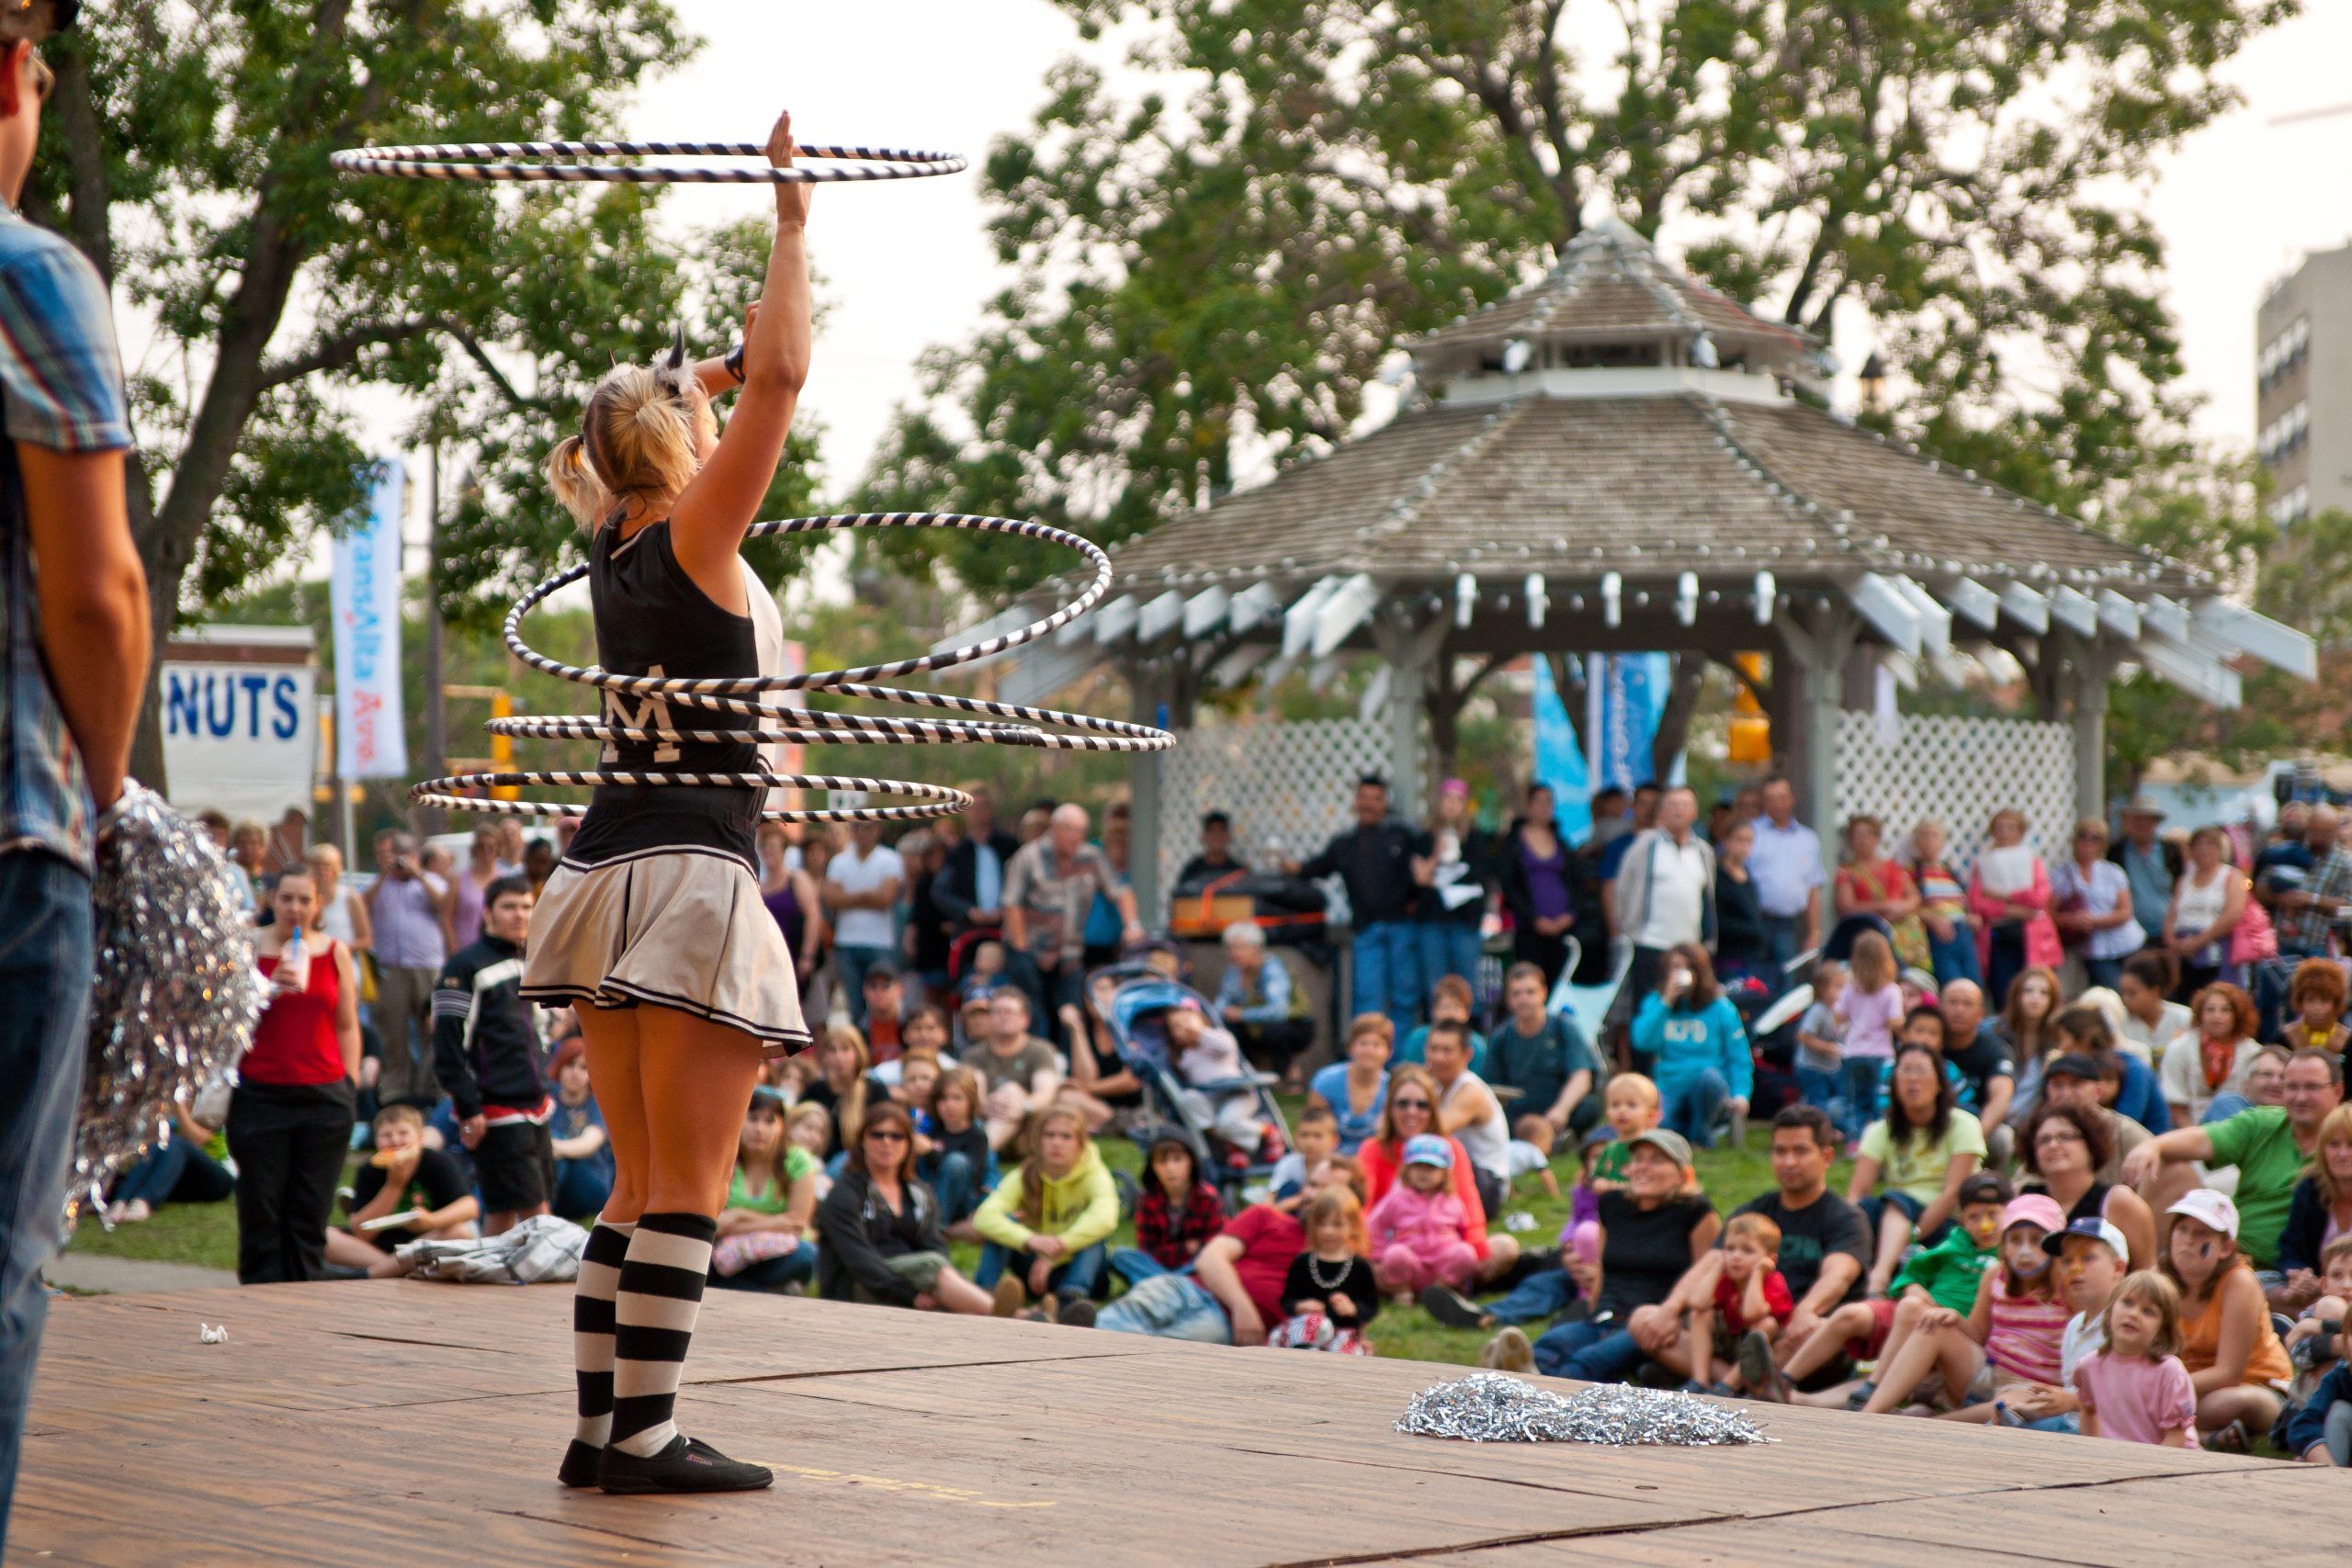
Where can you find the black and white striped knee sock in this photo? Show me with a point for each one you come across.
(654, 1311)
(592, 1327)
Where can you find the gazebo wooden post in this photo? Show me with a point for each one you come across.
(1150, 684)
(1410, 651)
(1808, 694)
(2082, 682)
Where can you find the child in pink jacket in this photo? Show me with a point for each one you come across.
(1417, 1229)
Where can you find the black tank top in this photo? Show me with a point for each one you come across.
(654, 619)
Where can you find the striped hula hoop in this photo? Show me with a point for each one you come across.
(558, 162)
(994, 724)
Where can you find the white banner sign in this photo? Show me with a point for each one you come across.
(241, 738)
(370, 742)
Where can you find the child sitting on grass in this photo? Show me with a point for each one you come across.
(2313, 1346)
(2135, 1390)
(1316, 1139)
(1542, 1292)
(1631, 1105)
(1178, 1214)
(2010, 1336)
(1331, 1293)
(2320, 1428)
(2088, 1256)
(1530, 1152)
(1417, 1229)
(1750, 1297)
(811, 1128)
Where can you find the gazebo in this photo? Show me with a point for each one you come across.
(1615, 459)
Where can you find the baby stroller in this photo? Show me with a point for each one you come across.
(1138, 1017)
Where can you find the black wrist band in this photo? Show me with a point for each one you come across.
(734, 363)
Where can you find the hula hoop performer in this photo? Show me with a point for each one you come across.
(652, 923)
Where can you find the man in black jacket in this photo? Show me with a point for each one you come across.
(970, 889)
(1374, 861)
(486, 1047)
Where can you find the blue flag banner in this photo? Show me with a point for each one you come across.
(364, 593)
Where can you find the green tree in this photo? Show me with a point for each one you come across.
(1343, 172)
(186, 154)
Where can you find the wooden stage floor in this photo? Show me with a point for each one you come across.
(415, 1425)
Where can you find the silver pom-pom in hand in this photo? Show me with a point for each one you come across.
(1487, 1408)
(176, 992)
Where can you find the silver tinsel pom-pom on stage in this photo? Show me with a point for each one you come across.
(1487, 1407)
(177, 993)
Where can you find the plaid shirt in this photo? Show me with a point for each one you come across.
(1164, 1236)
(2306, 929)
(61, 389)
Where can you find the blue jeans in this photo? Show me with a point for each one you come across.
(1781, 933)
(1691, 1109)
(1537, 1299)
(1820, 1086)
(795, 1267)
(1049, 991)
(1169, 1306)
(2103, 971)
(1859, 1088)
(952, 1182)
(1081, 1274)
(1448, 947)
(177, 1169)
(582, 1186)
(1387, 973)
(1956, 959)
(853, 962)
(1596, 1352)
(45, 966)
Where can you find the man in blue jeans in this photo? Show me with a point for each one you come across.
(1374, 861)
(73, 645)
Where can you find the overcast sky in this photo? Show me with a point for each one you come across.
(908, 264)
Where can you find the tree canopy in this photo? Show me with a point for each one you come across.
(186, 151)
(1204, 273)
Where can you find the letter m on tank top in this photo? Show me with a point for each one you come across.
(646, 712)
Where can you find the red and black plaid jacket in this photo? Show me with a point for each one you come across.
(1165, 1237)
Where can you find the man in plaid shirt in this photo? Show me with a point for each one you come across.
(74, 646)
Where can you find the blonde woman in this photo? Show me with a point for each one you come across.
(652, 924)
(343, 914)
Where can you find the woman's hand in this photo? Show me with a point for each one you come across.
(1048, 1245)
(791, 200)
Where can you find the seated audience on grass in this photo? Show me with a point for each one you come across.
(1410, 1111)
(2320, 1430)
(1471, 1113)
(177, 1169)
(1943, 1276)
(2135, 1388)
(1694, 1034)
(2087, 1259)
(2207, 1069)
(1019, 1076)
(2319, 1211)
(1531, 1153)
(1208, 1062)
(2152, 1019)
(1924, 1150)
(2315, 997)
(1355, 1089)
(1234, 1294)
(960, 1164)
(2269, 1145)
(1545, 1057)
(584, 1150)
(1650, 1236)
(918, 1081)
(1546, 1281)
(1048, 1220)
(1751, 1297)
(1268, 1012)
(1416, 1229)
(1315, 1139)
(2009, 1338)
(811, 1129)
(2319, 1427)
(1825, 1249)
(1178, 1213)
(1101, 1083)
(2076, 1080)
(844, 1087)
(763, 1241)
(1631, 1105)
(1923, 1025)
(2029, 1027)
(422, 1188)
(2232, 1353)
(882, 1238)
(2065, 1146)
(1451, 1001)
(1330, 1293)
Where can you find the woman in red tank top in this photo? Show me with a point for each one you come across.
(289, 1121)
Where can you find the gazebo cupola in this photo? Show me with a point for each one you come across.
(1613, 460)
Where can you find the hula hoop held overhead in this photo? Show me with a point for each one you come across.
(747, 719)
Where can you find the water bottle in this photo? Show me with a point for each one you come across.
(294, 961)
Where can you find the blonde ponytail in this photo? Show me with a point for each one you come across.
(637, 438)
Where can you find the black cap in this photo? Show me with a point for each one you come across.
(33, 20)
(883, 970)
(2072, 1064)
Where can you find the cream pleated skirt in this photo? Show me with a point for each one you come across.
(674, 928)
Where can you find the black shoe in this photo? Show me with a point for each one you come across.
(579, 1466)
(341, 1271)
(1451, 1308)
(1075, 1313)
(688, 1464)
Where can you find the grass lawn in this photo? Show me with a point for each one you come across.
(206, 1233)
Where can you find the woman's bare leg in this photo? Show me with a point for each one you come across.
(610, 1036)
(1828, 1341)
(1900, 1374)
(1893, 1235)
(1502, 1256)
(958, 1294)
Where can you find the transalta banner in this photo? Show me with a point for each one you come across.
(371, 737)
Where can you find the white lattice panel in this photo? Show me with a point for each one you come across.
(1959, 771)
(1288, 786)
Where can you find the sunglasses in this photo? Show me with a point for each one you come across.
(886, 1136)
(44, 79)
(1411, 1104)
